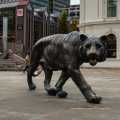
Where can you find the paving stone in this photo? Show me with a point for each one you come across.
(17, 102)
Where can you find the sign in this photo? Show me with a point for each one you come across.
(20, 27)
(19, 12)
(46, 14)
(29, 7)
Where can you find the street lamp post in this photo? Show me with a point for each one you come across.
(5, 30)
(46, 15)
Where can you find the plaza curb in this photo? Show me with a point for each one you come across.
(106, 68)
(82, 67)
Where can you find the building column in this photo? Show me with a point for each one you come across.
(118, 48)
(118, 39)
(100, 15)
(24, 27)
(16, 26)
(48, 25)
(5, 30)
(105, 8)
(96, 7)
(44, 24)
(118, 9)
(31, 29)
(82, 11)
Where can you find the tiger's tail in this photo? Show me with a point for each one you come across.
(36, 73)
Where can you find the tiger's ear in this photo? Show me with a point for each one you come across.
(103, 38)
(83, 37)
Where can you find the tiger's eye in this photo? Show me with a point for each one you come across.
(88, 46)
(98, 46)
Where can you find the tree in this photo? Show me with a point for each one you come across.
(62, 23)
(75, 22)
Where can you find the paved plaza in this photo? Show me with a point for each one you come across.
(17, 102)
(110, 63)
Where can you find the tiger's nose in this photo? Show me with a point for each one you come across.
(93, 50)
(93, 55)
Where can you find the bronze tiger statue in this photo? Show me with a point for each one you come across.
(67, 52)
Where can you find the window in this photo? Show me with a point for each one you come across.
(53, 30)
(1, 23)
(51, 6)
(111, 46)
(11, 19)
(112, 8)
(38, 31)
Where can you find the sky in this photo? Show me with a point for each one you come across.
(74, 2)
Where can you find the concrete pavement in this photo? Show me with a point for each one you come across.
(17, 102)
(110, 63)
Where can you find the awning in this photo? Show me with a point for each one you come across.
(12, 36)
(14, 4)
(6, 5)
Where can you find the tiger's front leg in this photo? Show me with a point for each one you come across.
(59, 85)
(48, 75)
(84, 87)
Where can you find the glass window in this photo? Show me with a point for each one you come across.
(38, 31)
(11, 19)
(53, 30)
(112, 8)
(10, 23)
(51, 6)
(1, 20)
(1, 23)
(111, 46)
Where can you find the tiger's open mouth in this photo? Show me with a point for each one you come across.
(93, 61)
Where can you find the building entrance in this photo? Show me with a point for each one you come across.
(111, 46)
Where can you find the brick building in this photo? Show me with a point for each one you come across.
(25, 25)
(52, 5)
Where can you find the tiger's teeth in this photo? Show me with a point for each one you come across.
(92, 60)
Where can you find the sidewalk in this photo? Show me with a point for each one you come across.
(110, 63)
(17, 102)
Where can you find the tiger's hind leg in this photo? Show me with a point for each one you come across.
(30, 72)
(34, 62)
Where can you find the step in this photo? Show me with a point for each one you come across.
(112, 59)
(5, 60)
(8, 63)
(11, 65)
(2, 68)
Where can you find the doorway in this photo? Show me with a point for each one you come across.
(111, 46)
